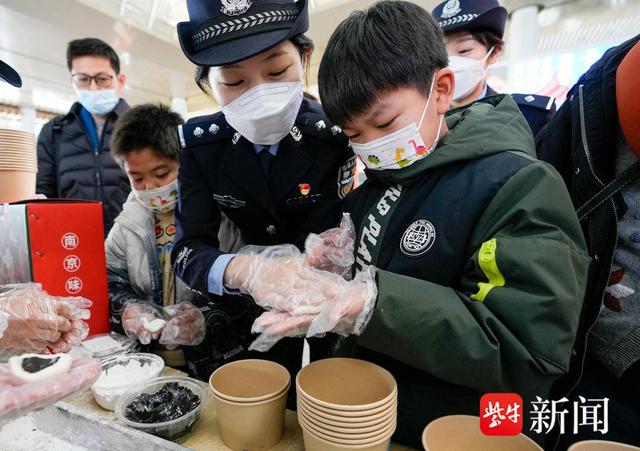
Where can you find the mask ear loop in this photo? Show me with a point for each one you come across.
(426, 105)
(435, 140)
(486, 57)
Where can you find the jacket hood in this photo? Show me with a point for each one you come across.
(491, 125)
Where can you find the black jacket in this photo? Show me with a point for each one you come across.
(69, 166)
(580, 142)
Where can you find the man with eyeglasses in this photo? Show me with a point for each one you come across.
(73, 149)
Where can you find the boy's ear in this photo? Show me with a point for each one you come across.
(444, 86)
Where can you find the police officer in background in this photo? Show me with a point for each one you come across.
(270, 160)
(473, 31)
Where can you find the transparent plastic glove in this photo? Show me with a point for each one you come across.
(273, 326)
(279, 278)
(185, 326)
(18, 399)
(333, 249)
(76, 309)
(348, 313)
(37, 321)
(138, 321)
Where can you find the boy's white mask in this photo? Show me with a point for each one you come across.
(399, 149)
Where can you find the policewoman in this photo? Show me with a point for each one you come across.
(473, 31)
(270, 160)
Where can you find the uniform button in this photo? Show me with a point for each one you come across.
(271, 230)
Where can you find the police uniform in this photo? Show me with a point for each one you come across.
(461, 15)
(301, 192)
(220, 172)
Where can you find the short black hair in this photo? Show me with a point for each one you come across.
(393, 44)
(146, 126)
(488, 38)
(92, 47)
(303, 42)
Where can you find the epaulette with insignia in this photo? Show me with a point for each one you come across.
(204, 129)
(318, 125)
(534, 101)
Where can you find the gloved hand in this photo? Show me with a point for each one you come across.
(76, 309)
(185, 325)
(347, 313)
(274, 326)
(137, 319)
(279, 278)
(17, 400)
(38, 322)
(333, 249)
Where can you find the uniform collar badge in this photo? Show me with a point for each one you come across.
(296, 134)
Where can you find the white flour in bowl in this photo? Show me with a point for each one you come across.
(126, 373)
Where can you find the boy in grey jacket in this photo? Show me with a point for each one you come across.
(147, 300)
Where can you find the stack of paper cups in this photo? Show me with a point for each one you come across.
(18, 165)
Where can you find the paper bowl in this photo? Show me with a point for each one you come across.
(250, 381)
(462, 433)
(249, 426)
(348, 385)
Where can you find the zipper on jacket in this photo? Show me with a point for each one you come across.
(96, 155)
(583, 132)
(585, 145)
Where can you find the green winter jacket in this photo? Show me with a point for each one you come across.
(493, 305)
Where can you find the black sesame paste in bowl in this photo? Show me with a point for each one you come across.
(171, 402)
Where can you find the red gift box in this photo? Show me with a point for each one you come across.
(59, 244)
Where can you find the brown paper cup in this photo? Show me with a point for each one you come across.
(251, 426)
(17, 185)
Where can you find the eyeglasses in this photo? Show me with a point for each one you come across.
(84, 80)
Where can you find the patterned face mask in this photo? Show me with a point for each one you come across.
(398, 149)
(159, 200)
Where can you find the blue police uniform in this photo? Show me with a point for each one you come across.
(460, 15)
(273, 194)
(220, 171)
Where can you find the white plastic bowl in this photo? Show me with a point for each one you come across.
(107, 397)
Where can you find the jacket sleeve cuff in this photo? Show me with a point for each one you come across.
(215, 278)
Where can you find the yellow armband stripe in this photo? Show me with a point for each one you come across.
(489, 265)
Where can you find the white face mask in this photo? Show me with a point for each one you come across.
(266, 113)
(159, 200)
(469, 72)
(398, 149)
(99, 102)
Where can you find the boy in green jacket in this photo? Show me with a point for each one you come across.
(481, 260)
(481, 263)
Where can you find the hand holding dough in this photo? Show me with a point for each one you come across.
(18, 398)
(38, 322)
